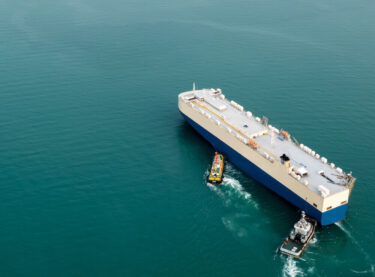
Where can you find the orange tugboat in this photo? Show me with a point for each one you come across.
(216, 173)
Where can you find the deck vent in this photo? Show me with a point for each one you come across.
(323, 191)
(302, 171)
(237, 106)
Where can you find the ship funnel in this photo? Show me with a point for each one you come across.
(194, 86)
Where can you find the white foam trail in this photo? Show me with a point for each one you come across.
(291, 269)
(339, 224)
(311, 270)
(313, 240)
(367, 256)
(231, 189)
(237, 189)
(371, 270)
(234, 227)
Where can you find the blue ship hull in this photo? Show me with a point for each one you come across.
(326, 218)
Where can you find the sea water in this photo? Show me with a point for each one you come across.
(101, 176)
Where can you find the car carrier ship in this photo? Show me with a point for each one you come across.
(271, 156)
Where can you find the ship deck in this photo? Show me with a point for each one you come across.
(268, 139)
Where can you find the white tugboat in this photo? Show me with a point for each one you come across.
(299, 237)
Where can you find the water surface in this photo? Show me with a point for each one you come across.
(100, 175)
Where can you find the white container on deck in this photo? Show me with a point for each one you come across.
(323, 190)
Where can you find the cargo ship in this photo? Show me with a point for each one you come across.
(270, 155)
(216, 173)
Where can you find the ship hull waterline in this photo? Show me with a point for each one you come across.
(250, 169)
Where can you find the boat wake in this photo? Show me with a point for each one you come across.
(234, 196)
(232, 192)
(235, 226)
(291, 269)
(366, 255)
(371, 270)
(313, 240)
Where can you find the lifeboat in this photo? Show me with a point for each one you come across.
(217, 168)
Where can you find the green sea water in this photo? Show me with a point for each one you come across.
(100, 175)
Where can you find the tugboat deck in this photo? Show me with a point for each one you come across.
(289, 247)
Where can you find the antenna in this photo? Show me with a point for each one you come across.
(194, 86)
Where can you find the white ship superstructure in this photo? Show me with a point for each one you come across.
(271, 156)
